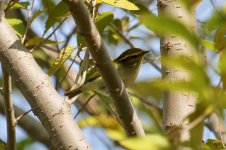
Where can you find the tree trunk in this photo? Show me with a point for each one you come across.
(177, 104)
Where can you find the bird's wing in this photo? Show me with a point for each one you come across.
(92, 74)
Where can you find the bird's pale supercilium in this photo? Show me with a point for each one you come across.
(127, 65)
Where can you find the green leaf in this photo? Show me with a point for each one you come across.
(217, 19)
(222, 67)
(24, 143)
(214, 144)
(103, 20)
(155, 142)
(220, 38)
(57, 14)
(116, 135)
(36, 14)
(209, 44)
(63, 56)
(20, 5)
(37, 40)
(48, 5)
(17, 25)
(191, 3)
(108, 122)
(164, 25)
(3, 145)
(146, 89)
(120, 3)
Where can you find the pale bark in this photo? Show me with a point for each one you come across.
(177, 104)
(9, 111)
(216, 123)
(46, 103)
(87, 29)
(33, 128)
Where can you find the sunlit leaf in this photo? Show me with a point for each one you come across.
(103, 20)
(209, 44)
(49, 5)
(146, 88)
(37, 40)
(216, 19)
(17, 25)
(57, 14)
(222, 67)
(214, 144)
(63, 56)
(164, 25)
(105, 121)
(20, 5)
(36, 14)
(191, 3)
(220, 38)
(125, 4)
(24, 143)
(155, 142)
(116, 135)
(2, 145)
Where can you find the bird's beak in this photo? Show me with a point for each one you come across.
(145, 52)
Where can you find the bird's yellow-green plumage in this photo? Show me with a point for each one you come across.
(127, 65)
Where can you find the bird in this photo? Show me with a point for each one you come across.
(127, 65)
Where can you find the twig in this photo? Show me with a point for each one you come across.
(84, 105)
(22, 115)
(68, 70)
(36, 46)
(9, 111)
(220, 132)
(28, 22)
(2, 5)
(144, 100)
(122, 35)
(10, 4)
(69, 36)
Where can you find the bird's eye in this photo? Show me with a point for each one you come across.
(135, 56)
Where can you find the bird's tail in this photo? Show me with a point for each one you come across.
(73, 92)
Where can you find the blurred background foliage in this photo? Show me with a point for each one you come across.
(46, 28)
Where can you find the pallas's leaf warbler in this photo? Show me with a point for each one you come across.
(127, 65)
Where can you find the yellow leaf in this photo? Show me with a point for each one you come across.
(120, 3)
(116, 134)
(153, 142)
(38, 40)
(64, 54)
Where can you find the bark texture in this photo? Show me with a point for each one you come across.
(177, 104)
(33, 128)
(216, 123)
(35, 85)
(88, 30)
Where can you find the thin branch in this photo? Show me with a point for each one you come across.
(22, 115)
(145, 101)
(69, 37)
(114, 84)
(2, 5)
(28, 21)
(37, 88)
(33, 128)
(39, 44)
(84, 105)
(10, 4)
(122, 35)
(9, 111)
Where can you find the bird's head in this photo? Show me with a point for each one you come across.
(131, 57)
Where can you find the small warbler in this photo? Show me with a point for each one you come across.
(127, 65)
